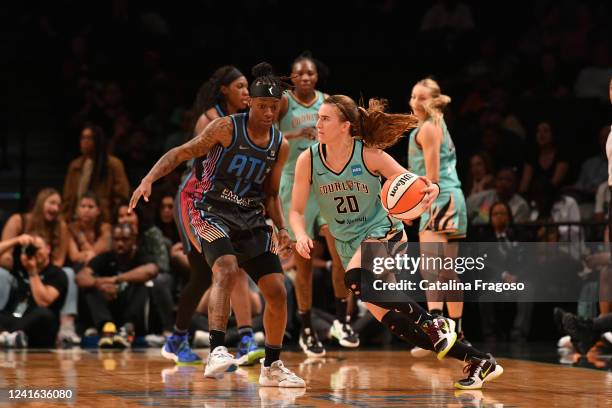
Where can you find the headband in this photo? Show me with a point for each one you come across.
(260, 89)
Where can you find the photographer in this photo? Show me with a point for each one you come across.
(36, 297)
(114, 290)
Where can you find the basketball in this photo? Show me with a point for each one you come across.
(401, 196)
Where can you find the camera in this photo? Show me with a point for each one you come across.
(30, 250)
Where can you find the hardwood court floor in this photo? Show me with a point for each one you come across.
(142, 378)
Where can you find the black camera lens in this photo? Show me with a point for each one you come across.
(30, 250)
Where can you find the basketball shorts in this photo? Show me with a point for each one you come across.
(447, 215)
(312, 216)
(215, 235)
(347, 249)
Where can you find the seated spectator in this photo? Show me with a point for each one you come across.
(32, 314)
(481, 176)
(165, 219)
(97, 171)
(594, 170)
(89, 235)
(546, 165)
(45, 220)
(152, 244)
(503, 265)
(479, 204)
(113, 285)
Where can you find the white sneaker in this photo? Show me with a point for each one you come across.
(201, 338)
(278, 376)
(344, 334)
(219, 361)
(565, 342)
(17, 339)
(607, 336)
(3, 338)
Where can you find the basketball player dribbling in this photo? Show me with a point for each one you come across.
(241, 174)
(348, 154)
(431, 153)
(297, 120)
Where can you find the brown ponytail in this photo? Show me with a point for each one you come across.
(375, 127)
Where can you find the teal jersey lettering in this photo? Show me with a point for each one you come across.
(350, 200)
(298, 117)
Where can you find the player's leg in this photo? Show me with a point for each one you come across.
(406, 319)
(439, 330)
(248, 353)
(177, 347)
(266, 270)
(341, 328)
(225, 274)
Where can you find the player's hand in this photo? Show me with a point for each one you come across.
(284, 243)
(143, 190)
(431, 192)
(303, 245)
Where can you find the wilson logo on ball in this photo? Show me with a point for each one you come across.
(401, 196)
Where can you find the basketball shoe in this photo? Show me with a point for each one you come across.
(177, 349)
(478, 372)
(344, 334)
(441, 332)
(309, 342)
(248, 352)
(277, 375)
(219, 361)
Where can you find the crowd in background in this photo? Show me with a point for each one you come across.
(529, 117)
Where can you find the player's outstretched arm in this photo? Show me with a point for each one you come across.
(219, 131)
(299, 199)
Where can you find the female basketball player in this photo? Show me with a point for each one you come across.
(225, 93)
(241, 157)
(343, 172)
(297, 120)
(431, 153)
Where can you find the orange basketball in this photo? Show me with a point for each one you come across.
(401, 196)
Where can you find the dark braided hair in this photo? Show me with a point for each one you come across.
(210, 94)
(264, 76)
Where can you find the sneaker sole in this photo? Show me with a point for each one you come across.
(174, 357)
(308, 352)
(341, 341)
(220, 370)
(264, 382)
(442, 353)
(499, 370)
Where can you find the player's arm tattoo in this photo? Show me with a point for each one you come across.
(218, 131)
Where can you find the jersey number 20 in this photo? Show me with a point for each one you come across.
(346, 204)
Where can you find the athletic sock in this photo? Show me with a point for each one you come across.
(179, 332)
(272, 354)
(217, 339)
(463, 352)
(305, 319)
(245, 331)
(341, 314)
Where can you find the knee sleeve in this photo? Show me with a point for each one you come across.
(353, 280)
